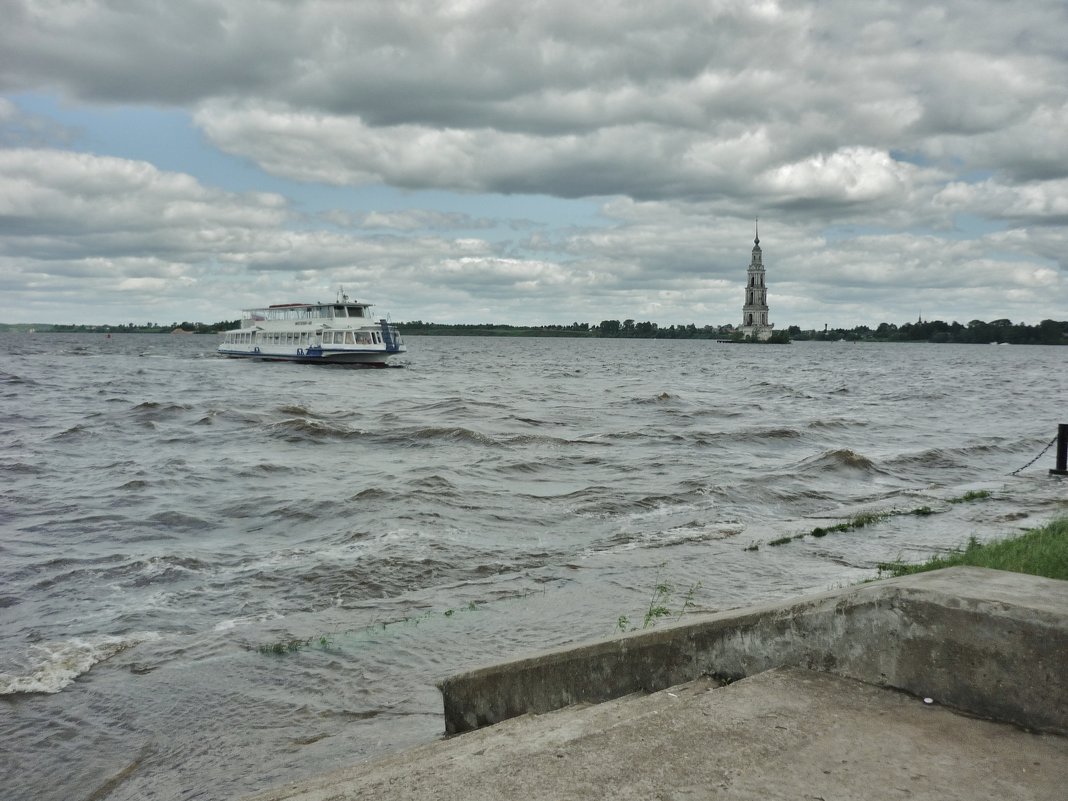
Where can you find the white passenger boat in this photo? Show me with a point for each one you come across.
(342, 332)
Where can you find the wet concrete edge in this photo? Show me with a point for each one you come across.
(987, 642)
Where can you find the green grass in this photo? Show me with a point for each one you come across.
(871, 518)
(1039, 552)
(659, 604)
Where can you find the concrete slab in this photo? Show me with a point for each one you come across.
(986, 642)
(787, 733)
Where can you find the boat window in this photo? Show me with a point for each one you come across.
(363, 338)
(348, 338)
(356, 311)
(339, 311)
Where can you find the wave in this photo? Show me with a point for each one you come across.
(75, 432)
(457, 404)
(296, 409)
(537, 439)
(835, 424)
(762, 388)
(54, 666)
(153, 411)
(662, 397)
(444, 434)
(945, 457)
(840, 460)
(22, 468)
(138, 573)
(180, 521)
(768, 433)
(264, 469)
(636, 508)
(300, 429)
(11, 378)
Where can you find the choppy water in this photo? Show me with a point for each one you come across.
(165, 513)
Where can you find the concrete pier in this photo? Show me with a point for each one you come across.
(952, 684)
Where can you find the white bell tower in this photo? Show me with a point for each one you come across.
(755, 310)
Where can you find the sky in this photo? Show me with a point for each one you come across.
(534, 163)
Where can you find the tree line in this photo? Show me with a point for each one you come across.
(976, 332)
(1047, 332)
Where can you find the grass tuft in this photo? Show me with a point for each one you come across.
(659, 604)
(1038, 552)
(971, 495)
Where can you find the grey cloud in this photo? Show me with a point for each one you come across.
(559, 96)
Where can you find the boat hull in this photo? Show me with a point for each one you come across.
(370, 358)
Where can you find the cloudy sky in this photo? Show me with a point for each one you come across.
(539, 162)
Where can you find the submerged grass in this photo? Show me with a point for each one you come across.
(971, 495)
(1039, 552)
(871, 518)
(332, 641)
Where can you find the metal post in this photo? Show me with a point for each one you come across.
(1062, 451)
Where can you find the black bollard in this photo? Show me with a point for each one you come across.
(1062, 451)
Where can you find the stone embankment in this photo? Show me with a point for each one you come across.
(951, 684)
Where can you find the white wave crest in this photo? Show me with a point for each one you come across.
(53, 666)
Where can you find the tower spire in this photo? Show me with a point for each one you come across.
(757, 240)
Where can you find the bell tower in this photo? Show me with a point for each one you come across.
(755, 310)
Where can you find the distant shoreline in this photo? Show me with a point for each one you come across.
(977, 332)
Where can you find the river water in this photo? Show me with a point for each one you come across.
(170, 518)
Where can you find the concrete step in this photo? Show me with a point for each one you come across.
(787, 733)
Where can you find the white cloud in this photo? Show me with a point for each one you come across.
(1034, 202)
(863, 134)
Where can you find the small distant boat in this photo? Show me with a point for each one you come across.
(342, 332)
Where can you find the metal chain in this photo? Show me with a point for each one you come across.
(1040, 455)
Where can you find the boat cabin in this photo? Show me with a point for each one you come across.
(304, 311)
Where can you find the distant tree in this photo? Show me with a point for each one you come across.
(1051, 332)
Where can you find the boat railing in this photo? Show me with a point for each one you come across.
(390, 336)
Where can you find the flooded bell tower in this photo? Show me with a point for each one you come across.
(755, 311)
